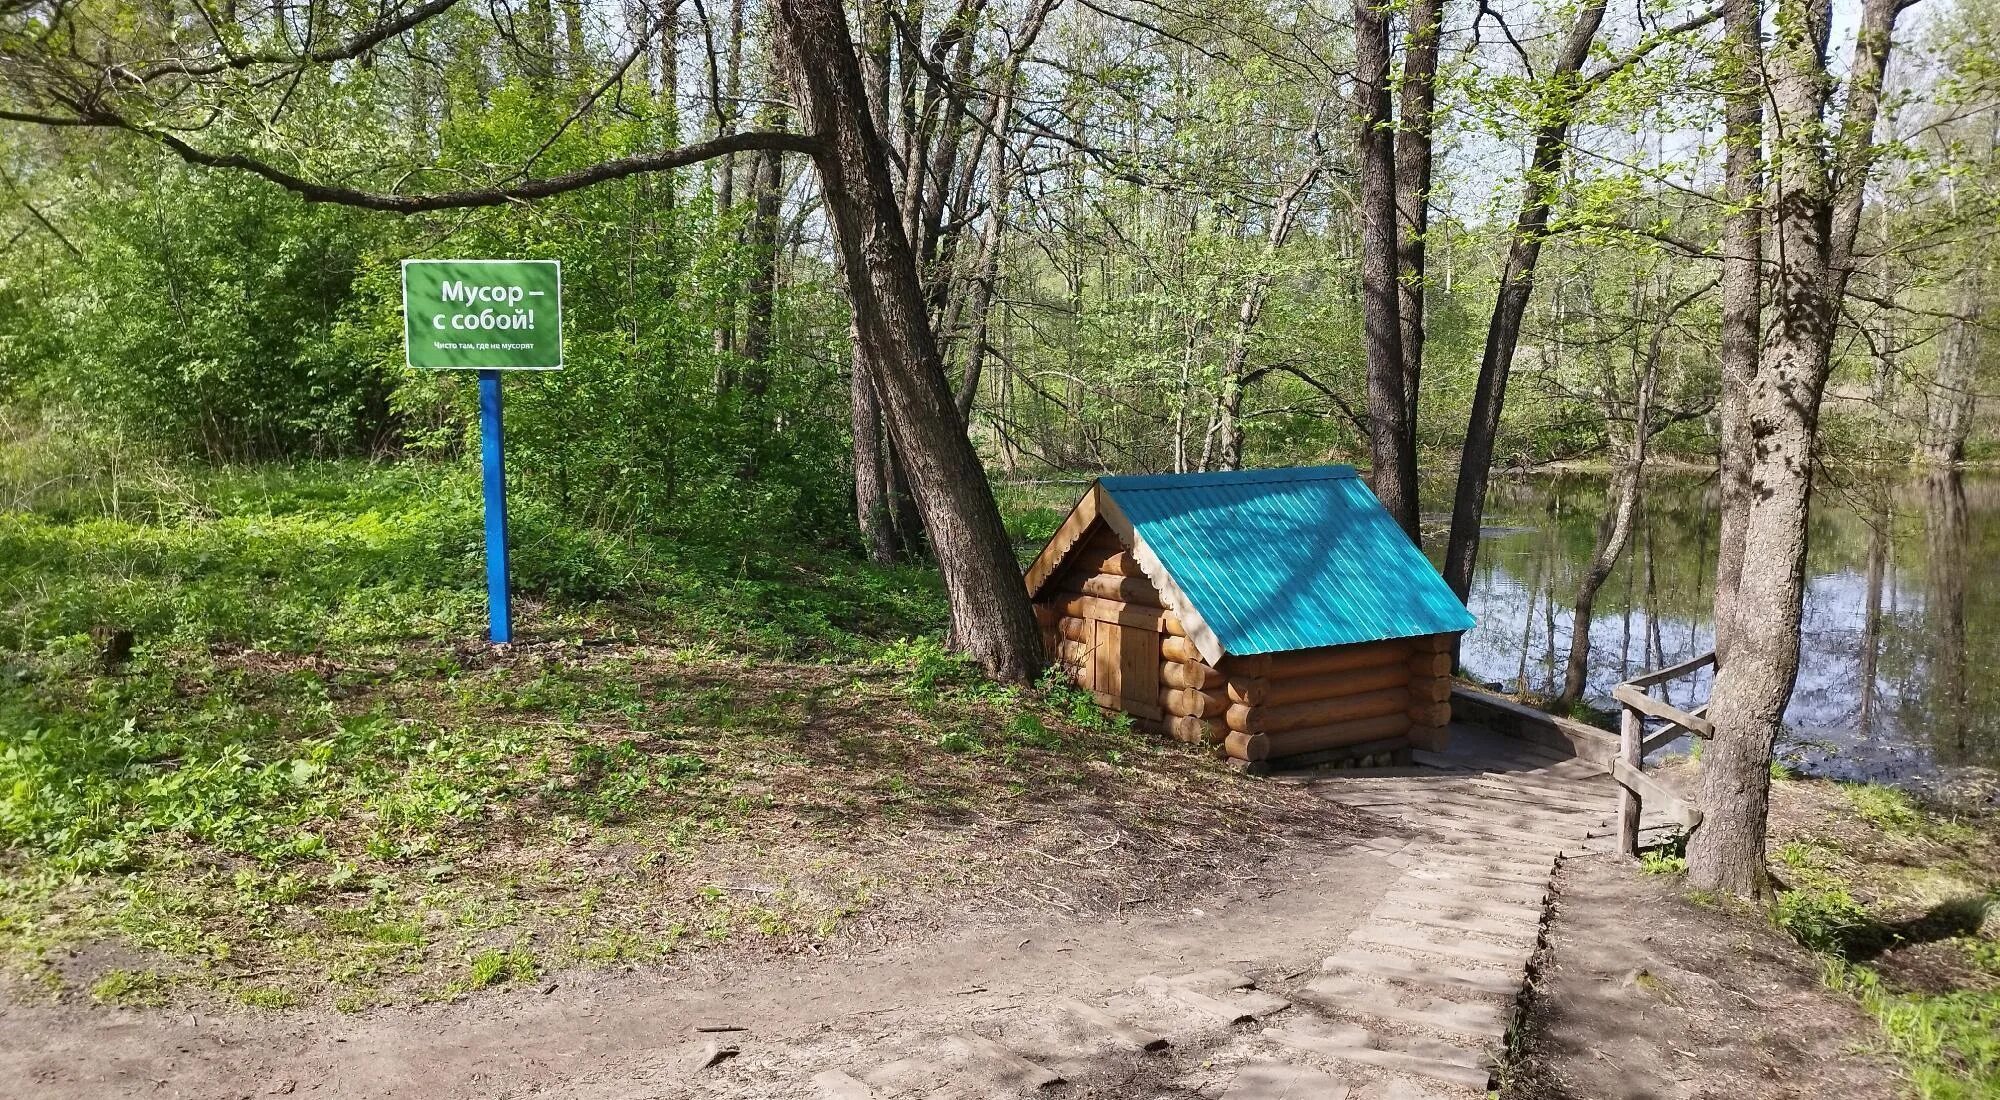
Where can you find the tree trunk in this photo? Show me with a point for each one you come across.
(1413, 192)
(871, 490)
(1742, 274)
(1393, 467)
(1517, 286)
(1617, 529)
(768, 186)
(1947, 542)
(992, 621)
(1948, 406)
(1814, 215)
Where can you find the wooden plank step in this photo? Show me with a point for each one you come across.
(1403, 939)
(1456, 906)
(1507, 931)
(835, 1085)
(1518, 815)
(1566, 774)
(1359, 998)
(1501, 811)
(1530, 892)
(1237, 1008)
(1456, 978)
(1506, 893)
(1450, 828)
(1354, 1044)
(1137, 1038)
(1005, 1067)
(1466, 815)
(1216, 980)
(1488, 869)
(1282, 1081)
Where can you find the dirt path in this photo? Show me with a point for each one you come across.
(1385, 971)
(1645, 996)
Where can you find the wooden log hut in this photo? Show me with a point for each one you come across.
(1281, 615)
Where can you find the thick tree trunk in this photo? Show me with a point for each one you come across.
(991, 618)
(1813, 225)
(1517, 286)
(1393, 464)
(1413, 191)
(1742, 275)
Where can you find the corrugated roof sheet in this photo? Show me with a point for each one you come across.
(1276, 560)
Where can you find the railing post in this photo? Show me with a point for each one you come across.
(1630, 733)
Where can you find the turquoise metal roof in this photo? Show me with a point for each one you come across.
(1275, 560)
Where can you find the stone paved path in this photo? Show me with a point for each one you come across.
(1414, 1005)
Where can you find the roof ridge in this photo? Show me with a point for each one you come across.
(1266, 476)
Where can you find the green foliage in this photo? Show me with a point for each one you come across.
(1949, 1043)
(1822, 919)
(198, 312)
(1662, 863)
(493, 967)
(131, 988)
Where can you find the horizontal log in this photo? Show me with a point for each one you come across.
(1171, 623)
(1073, 628)
(1180, 649)
(1430, 689)
(1072, 654)
(1199, 704)
(1207, 731)
(1247, 689)
(1046, 615)
(1335, 734)
(1343, 658)
(1434, 643)
(1318, 712)
(1254, 665)
(1673, 672)
(1118, 562)
(1638, 700)
(1136, 591)
(1431, 714)
(1080, 606)
(1250, 747)
(1180, 674)
(1430, 664)
(1333, 685)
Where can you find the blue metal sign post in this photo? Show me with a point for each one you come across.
(492, 316)
(493, 472)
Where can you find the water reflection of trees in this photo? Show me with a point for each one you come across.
(1902, 641)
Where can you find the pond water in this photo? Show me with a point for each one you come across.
(1899, 678)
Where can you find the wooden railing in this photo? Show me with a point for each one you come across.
(1635, 787)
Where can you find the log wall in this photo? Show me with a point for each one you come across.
(1257, 708)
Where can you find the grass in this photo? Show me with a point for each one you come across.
(312, 783)
(1895, 897)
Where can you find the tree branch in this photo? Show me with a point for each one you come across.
(491, 196)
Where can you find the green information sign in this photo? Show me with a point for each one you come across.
(483, 314)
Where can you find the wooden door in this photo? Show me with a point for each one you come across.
(1125, 668)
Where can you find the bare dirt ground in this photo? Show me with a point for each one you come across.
(636, 1034)
(1640, 994)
